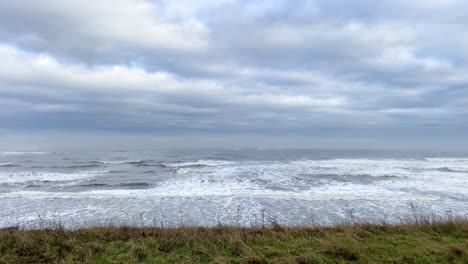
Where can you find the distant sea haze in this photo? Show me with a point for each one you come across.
(236, 186)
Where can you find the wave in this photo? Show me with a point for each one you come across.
(94, 185)
(116, 161)
(331, 194)
(455, 160)
(16, 153)
(30, 176)
(210, 163)
(302, 178)
(303, 174)
(131, 162)
(135, 184)
(132, 185)
(447, 169)
(9, 164)
(84, 166)
(117, 171)
(382, 167)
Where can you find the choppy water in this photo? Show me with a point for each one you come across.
(206, 187)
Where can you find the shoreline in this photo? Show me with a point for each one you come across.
(414, 213)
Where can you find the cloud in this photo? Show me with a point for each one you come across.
(98, 28)
(119, 86)
(234, 66)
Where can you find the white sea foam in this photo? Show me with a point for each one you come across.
(438, 176)
(220, 191)
(375, 186)
(460, 160)
(282, 170)
(120, 161)
(386, 167)
(30, 176)
(268, 183)
(199, 163)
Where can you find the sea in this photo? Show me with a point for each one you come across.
(246, 187)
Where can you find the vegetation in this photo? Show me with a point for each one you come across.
(411, 242)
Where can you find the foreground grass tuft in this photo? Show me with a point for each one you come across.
(437, 242)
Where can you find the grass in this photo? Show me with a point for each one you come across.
(407, 242)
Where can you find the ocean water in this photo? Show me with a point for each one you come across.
(236, 187)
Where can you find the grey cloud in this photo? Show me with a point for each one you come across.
(97, 30)
(235, 66)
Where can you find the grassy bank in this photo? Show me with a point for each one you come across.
(440, 242)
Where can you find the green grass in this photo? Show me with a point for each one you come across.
(436, 242)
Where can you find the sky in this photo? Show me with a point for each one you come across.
(303, 73)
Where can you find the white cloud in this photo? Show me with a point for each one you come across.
(293, 100)
(401, 57)
(101, 25)
(44, 75)
(44, 70)
(415, 111)
(201, 64)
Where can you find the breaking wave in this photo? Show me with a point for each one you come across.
(8, 165)
(199, 163)
(31, 176)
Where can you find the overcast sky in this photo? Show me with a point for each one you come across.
(304, 72)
